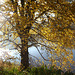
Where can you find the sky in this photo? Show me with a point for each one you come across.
(4, 52)
(2, 1)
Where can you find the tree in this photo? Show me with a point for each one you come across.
(55, 33)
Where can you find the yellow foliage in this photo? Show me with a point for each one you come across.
(54, 24)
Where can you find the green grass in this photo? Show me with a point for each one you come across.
(33, 71)
(43, 70)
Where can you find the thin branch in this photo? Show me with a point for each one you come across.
(41, 54)
(34, 44)
(33, 20)
(34, 56)
(7, 19)
(44, 36)
(13, 48)
(42, 14)
(12, 42)
(3, 24)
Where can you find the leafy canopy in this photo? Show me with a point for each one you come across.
(51, 21)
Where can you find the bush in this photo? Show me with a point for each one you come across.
(43, 70)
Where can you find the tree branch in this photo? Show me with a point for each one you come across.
(34, 44)
(34, 56)
(41, 54)
(12, 42)
(44, 36)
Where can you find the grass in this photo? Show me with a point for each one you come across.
(10, 69)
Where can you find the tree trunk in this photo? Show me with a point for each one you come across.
(24, 53)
